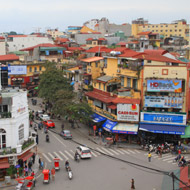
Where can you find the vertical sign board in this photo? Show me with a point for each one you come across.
(128, 112)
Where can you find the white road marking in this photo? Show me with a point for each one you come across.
(69, 154)
(172, 158)
(44, 155)
(126, 151)
(113, 151)
(131, 151)
(64, 155)
(57, 155)
(137, 151)
(107, 151)
(93, 154)
(51, 155)
(57, 139)
(72, 152)
(100, 150)
(163, 157)
(120, 151)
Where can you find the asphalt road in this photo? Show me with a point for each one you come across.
(100, 172)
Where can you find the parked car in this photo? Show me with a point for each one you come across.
(49, 123)
(66, 134)
(44, 117)
(84, 152)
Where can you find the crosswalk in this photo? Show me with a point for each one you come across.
(169, 158)
(69, 154)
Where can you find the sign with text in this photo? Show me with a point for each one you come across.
(164, 85)
(163, 118)
(163, 102)
(128, 112)
(17, 70)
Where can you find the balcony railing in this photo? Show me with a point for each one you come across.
(5, 115)
(7, 150)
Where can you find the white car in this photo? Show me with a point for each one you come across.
(84, 152)
(44, 117)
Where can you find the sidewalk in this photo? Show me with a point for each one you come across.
(13, 182)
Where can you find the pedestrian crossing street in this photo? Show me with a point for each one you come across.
(169, 158)
(69, 154)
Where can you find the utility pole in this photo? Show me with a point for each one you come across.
(173, 180)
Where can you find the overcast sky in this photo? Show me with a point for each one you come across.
(25, 16)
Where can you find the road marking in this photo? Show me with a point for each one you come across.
(107, 151)
(163, 157)
(64, 155)
(120, 151)
(57, 139)
(72, 152)
(131, 151)
(93, 154)
(46, 157)
(113, 151)
(100, 151)
(51, 155)
(125, 151)
(172, 158)
(57, 155)
(69, 154)
(171, 161)
(137, 151)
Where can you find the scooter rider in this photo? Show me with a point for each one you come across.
(47, 138)
(67, 164)
(76, 154)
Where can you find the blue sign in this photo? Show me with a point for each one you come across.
(164, 85)
(97, 118)
(109, 124)
(17, 70)
(163, 118)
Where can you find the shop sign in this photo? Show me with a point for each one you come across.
(128, 112)
(21, 110)
(163, 118)
(17, 70)
(164, 86)
(163, 102)
(16, 79)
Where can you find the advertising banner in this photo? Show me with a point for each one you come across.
(164, 86)
(163, 118)
(163, 102)
(17, 70)
(128, 112)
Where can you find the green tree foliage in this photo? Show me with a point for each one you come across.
(51, 81)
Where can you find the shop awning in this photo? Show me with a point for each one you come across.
(4, 165)
(164, 129)
(108, 125)
(97, 118)
(113, 107)
(187, 133)
(25, 156)
(125, 128)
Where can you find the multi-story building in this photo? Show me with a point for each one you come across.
(2, 46)
(177, 28)
(91, 23)
(54, 33)
(92, 42)
(14, 122)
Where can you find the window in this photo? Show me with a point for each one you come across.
(35, 69)
(2, 138)
(21, 132)
(122, 81)
(170, 30)
(104, 87)
(135, 84)
(128, 82)
(166, 25)
(30, 69)
(152, 30)
(161, 26)
(156, 26)
(105, 62)
(96, 64)
(149, 61)
(175, 30)
(161, 30)
(166, 30)
(40, 68)
(179, 30)
(99, 85)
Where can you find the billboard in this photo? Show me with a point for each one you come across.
(128, 112)
(164, 85)
(17, 70)
(163, 118)
(163, 102)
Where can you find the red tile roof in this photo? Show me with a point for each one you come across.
(121, 43)
(155, 51)
(99, 49)
(75, 49)
(39, 45)
(102, 39)
(89, 39)
(133, 42)
(9, 57)
(16, 36)
(126, 101)
(92, 59)
(121, 49)
(113, 107)
(62, 40)
(144, 33)
(130, 53)
(100, 95)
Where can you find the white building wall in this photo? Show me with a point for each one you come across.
(2, 48)
(19, 43)
(20, 115)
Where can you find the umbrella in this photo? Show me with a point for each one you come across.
(29, 178)
(36, 88)
(109, 139)
(72, 83)
(19, 179)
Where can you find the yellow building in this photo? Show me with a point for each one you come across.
(177, 28)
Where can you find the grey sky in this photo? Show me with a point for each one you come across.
(25, 15)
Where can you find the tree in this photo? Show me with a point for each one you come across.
(51, 81)
(12, 33)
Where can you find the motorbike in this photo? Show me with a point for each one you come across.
(47, 138)
(77, 158)
(70, 174)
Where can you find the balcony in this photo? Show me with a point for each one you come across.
(4, 115)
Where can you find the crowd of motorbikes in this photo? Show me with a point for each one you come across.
(167, 148)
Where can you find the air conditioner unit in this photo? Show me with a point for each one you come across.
(118, 70)
(11, 158)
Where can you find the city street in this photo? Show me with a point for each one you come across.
(99, 172)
